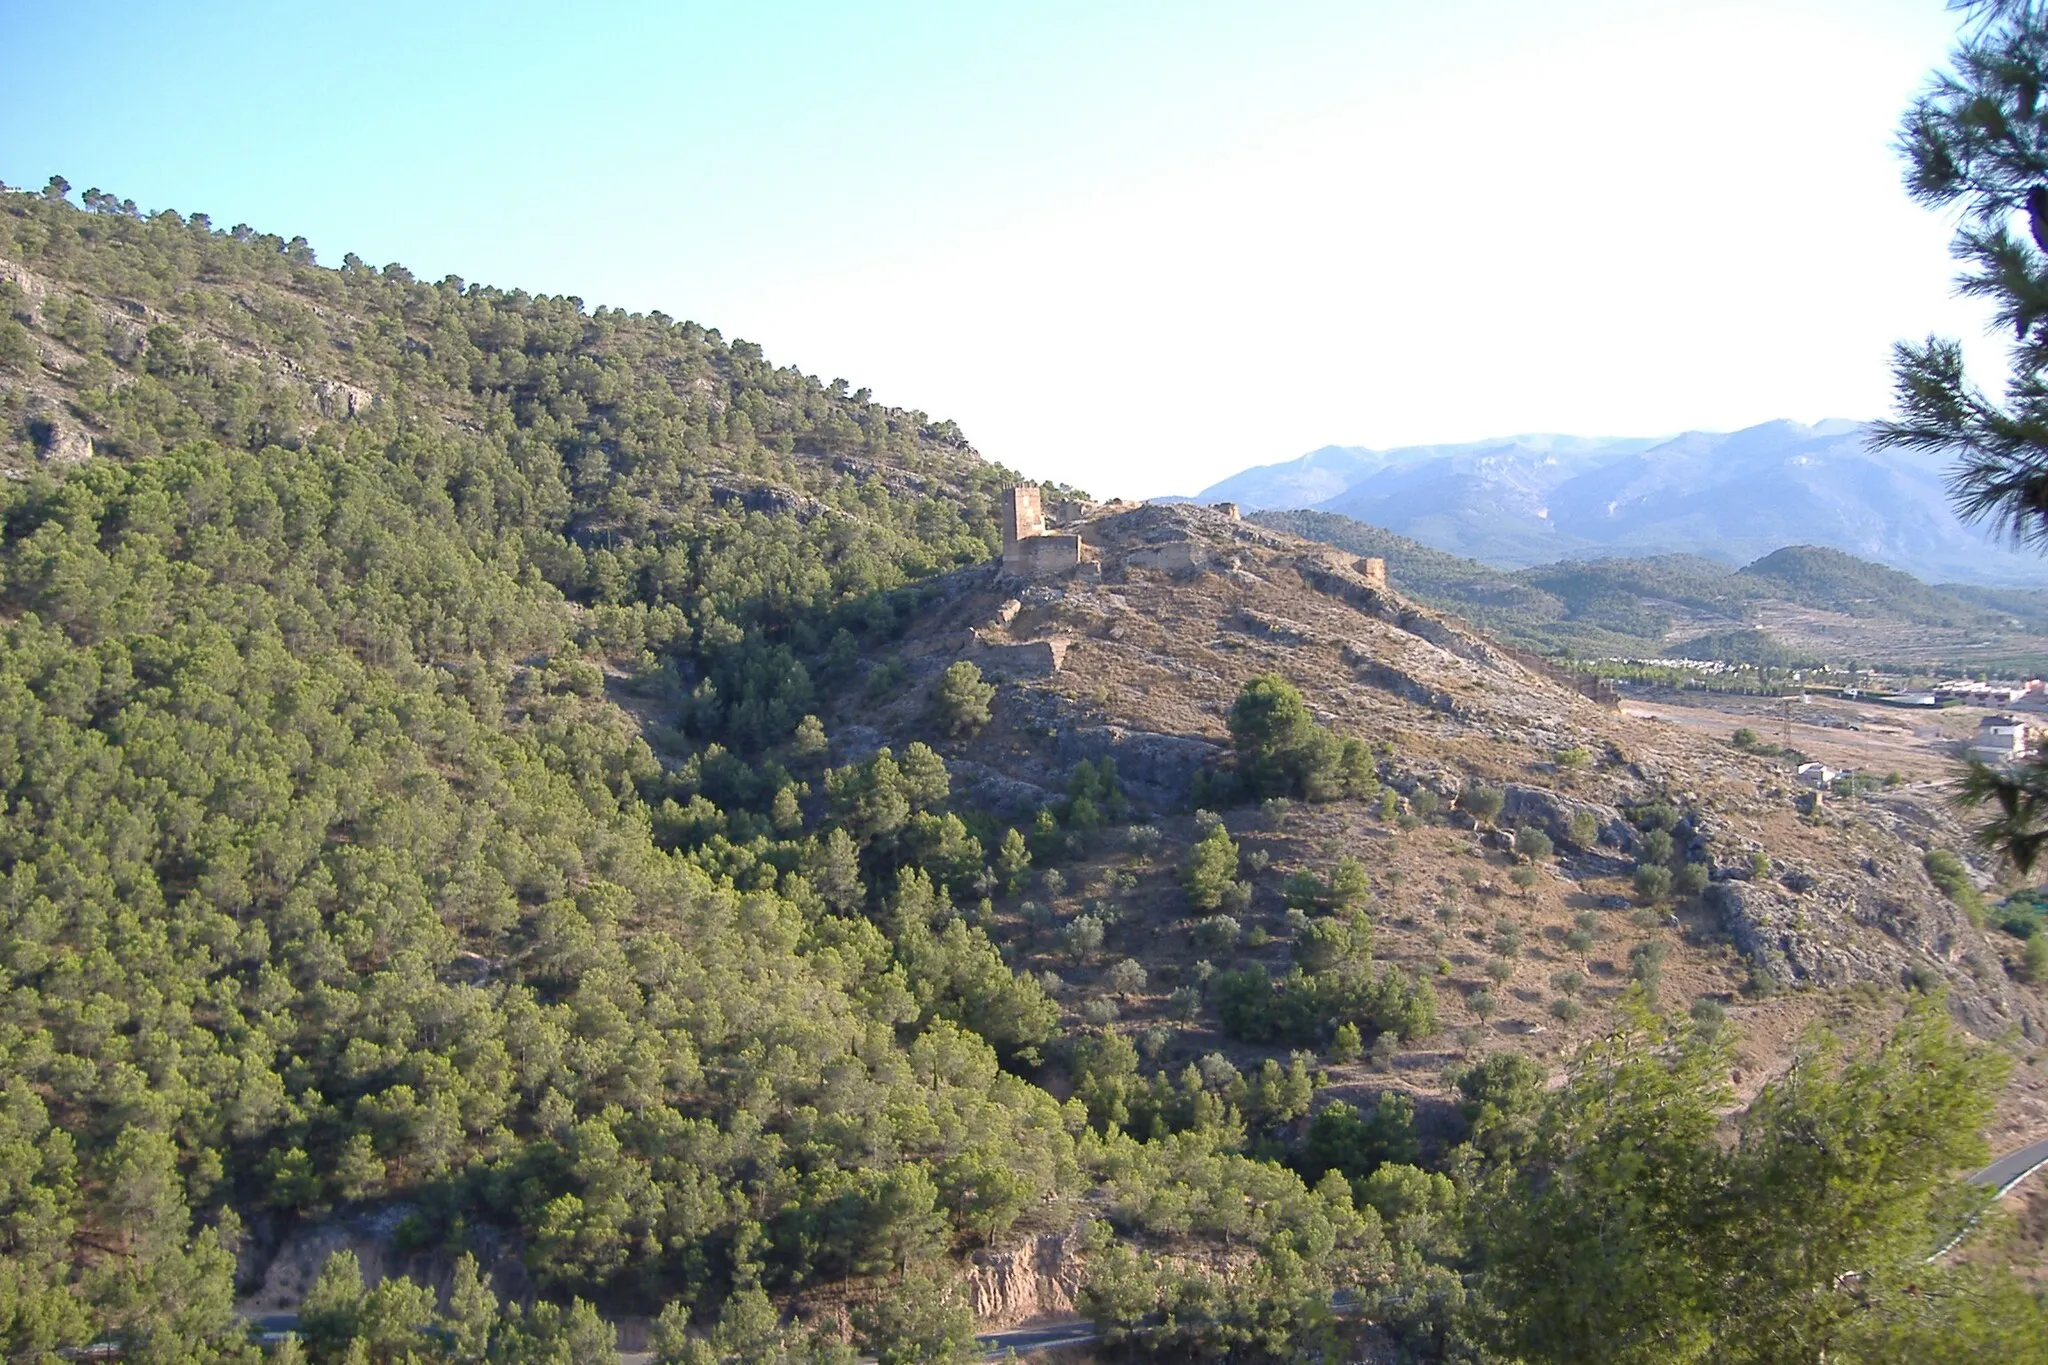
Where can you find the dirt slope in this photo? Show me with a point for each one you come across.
(1138, 656)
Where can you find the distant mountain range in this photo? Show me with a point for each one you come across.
(1734, 497)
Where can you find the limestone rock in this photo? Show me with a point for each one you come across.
(1035, 1280)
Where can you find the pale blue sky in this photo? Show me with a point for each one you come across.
(1134, 246)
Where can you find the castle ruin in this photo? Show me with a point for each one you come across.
(1028, 550)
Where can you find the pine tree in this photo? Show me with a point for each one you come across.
(1974, 143)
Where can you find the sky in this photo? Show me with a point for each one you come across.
(1129, 246)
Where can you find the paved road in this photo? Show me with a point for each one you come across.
(1026, 1340)
(2009, 1170)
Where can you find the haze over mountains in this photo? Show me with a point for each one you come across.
(1524, 500)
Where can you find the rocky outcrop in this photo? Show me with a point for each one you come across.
(1173, 556)
(337, 400)
(1158, 770)
(1018, 1284)
(279, 1262)
(1803, 928)
(1552, 812)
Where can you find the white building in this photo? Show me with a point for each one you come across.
(1817, 774)
(2000, 739)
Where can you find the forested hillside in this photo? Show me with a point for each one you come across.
(420, 798)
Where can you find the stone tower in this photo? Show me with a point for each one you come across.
(1375, 571)
(1023, 515)
(1028, 552)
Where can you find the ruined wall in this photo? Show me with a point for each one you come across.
(1041, 556)
(1374, 571)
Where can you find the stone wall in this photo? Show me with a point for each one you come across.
(1042, 556)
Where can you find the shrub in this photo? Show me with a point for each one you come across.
(1525, 875)
(1533, 844)
(1482, 1004)
(1211, 869)
(1658, 847)
(17, 347)
(1653, 883)
(1499, 969)
(1646, 963)
(1584, 830)
(1345, 1045)
(1949, 874)
(1302, 890)
(1482, 803)
(1579, 941)
(1185, 1002)
(962, 699)
(1566, 1009)
(2034, 965)
(1569, 983)
(1082, 937)
(1216, 933)
(1746, 738)
(1691, 879)
(1144, 839)
(1424, 802)
(1127, 977)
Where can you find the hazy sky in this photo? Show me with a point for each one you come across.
(1133, 246)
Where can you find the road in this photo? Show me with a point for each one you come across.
(2009, 1170)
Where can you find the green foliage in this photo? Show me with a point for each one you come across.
(1533, 844)
(1632, 1232)
(962, 699)
(922, 1320)
(1346, 885)
(1952, 878)
(1481, 802)
(1282, 752)
(1355, 1145)
(1303, 1007)
(1653, 883)
(1211, 869)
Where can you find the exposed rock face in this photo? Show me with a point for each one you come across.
(1005, 797)
(1156, 768)
(1175, 556)
(337, 400)
(277, 1270)
(1812, 930)
(1036, 1280)
(1552, 813)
